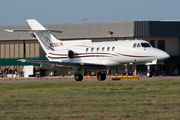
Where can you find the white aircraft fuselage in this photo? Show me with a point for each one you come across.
(85, 54)
(112, 53)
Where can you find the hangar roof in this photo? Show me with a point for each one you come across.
(100, 30)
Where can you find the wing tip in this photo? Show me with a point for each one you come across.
(22, 60)
(8, 30)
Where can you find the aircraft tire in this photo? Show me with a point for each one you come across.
(149, 74)
(101, 77)
(78, 77)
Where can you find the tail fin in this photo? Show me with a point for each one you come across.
(35, 25)
(48, 41)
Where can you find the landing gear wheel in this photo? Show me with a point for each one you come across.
(78, 77)
(101, 77)
(149, 74)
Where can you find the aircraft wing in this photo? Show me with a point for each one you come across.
(63, 64)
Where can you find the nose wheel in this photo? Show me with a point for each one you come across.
(149, 73)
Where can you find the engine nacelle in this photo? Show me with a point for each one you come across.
(70, 54)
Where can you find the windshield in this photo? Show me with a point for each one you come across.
(145, 45)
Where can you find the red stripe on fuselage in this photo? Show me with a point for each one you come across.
(58, 54)
(132, 55)
(117, 54)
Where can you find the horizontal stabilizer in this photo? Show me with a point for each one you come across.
(31, 31)
(44, 36)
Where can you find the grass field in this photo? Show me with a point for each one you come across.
(134, 100)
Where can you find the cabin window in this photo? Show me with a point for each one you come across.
(86, 49)
(97, 49)
(103, 49)
(138, 45)
(92, 49)
(113, 48)
(108, 48)
(145, 45)
(134, 45)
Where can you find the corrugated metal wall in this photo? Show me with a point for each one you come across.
(141, 28)
(94, 30)
(164, 28)
(100, 30)
(75, 31)
(156, 28)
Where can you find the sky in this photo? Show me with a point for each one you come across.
(15, 12)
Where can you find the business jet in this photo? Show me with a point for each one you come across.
(89, 55)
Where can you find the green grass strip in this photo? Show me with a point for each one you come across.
(91, 100)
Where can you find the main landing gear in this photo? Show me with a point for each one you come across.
(78, 77)
(101, 76)
(149, 73)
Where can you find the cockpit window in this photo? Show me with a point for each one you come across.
(138, 45)
(145, 45)
(134, 45)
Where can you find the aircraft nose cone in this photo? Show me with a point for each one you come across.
(167, 56)
(163, 55)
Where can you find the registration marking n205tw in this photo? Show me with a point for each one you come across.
(56, 44)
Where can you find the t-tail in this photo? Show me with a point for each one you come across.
(47, 40)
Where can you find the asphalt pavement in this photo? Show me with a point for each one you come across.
(85, 79)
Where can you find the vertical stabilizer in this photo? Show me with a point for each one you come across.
(48, 41)
(35, 25)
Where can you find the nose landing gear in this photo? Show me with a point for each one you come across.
(149, 73)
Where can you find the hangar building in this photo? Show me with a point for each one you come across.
(164, 35)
